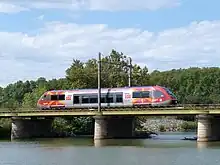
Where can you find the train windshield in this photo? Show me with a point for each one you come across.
(169, 92)
(45, 97)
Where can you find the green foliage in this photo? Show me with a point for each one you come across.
(30, 99)
(1, 97)
(193, 85)
(73, 125)
(5, 128)
(188, 126)
(138, 123)
(162, 128)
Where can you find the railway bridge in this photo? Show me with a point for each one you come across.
(111, 123)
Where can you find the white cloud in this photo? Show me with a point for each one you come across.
(113, 5)
(51, 51)
(131, 4)
(11, 8)
(41, 17)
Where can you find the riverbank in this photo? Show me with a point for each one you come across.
(166, 124)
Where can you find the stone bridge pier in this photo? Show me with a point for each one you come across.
(30, 127)
(208, 128)
(107, 127)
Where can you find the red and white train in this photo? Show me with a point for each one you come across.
(110, 97)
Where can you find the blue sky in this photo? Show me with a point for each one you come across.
(161, 34)
(155, 21)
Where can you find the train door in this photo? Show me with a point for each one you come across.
(76, 100)
(127, 101)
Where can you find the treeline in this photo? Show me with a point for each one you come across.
(193, 85)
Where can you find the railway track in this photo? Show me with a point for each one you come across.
(136, 108)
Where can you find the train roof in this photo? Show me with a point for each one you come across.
(91, 89)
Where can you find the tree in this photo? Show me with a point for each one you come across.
(30, 99)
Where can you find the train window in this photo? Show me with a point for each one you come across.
(141, 94)
(85, 99)
(46, 97)
(76, 100)
(109, 98)
(93, 99)
(145, 94)
(169, 92)
(158, 94)
(61, 97)
(136, 95)
(54, 97)
(119, 97)
(103, 99)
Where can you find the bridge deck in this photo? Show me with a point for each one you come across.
(125, 111)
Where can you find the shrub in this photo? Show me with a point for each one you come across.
(162, 128)
(188, 126)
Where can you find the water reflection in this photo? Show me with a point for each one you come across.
(202, 145)
(159, 142)
(162, 141)
(119, 142)
(208, 145)
(166, 140)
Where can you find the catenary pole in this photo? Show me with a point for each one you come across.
(130, 72)
(99, 82)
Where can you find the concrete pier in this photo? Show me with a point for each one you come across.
(113, 127)
(100, 129)
(30, 128)
(208, 128)
(215, 131)
(204, 128)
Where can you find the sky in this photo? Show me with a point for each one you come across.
(40, 38)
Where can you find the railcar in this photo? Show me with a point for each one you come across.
(110, 98)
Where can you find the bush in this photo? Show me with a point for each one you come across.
(162, 128)
(188, 126)
(5, 128)
(73, 125)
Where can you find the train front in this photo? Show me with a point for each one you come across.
(163, 96)
(173, 99)
(42, 102)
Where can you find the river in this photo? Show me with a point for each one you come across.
(165, 149)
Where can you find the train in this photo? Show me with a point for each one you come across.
(141, 96)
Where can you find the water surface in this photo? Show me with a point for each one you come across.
(165, 149)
